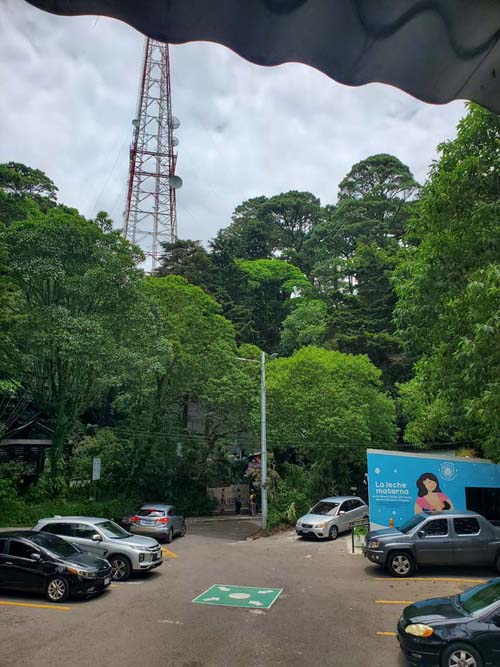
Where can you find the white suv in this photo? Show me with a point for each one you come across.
(125, 552)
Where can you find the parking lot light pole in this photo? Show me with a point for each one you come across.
(263, 433)
(263, 440)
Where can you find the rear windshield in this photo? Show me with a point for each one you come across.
(327, 509)
(478, 598)
(150, 512)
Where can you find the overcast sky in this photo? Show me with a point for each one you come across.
(68, 95)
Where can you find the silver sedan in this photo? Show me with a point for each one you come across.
(332, 516)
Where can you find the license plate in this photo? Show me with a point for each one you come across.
(145, 522)
(107, 581)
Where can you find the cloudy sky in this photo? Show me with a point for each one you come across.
(69, 91)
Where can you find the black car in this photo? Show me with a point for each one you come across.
(458, 631)
(44, 563)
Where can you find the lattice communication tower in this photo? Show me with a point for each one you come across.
(150, 214)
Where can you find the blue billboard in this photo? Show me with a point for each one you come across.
(401, 485)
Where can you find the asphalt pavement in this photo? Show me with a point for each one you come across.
(334, 610)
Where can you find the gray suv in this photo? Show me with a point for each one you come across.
(332, 516)
(125, 552)
(435, 538)
(157, 520)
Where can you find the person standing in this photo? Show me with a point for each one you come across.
(238, 502)
(253, 504)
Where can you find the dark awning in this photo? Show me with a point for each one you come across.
(436, 50)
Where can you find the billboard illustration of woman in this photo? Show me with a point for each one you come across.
(430, 496)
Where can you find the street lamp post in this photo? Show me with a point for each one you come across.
(263, 440)
(263, 433)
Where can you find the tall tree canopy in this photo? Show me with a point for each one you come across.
(77, 284)
(448, 292)
(327, 408)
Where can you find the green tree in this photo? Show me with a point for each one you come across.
(190, 260)
(77, 283)
(326, 408)
(19, 183)
(306, 325)
(268, 289)
(353, 253)
(293, 215)
(250, 235)
(448, 291)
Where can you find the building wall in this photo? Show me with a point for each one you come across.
(392, 484)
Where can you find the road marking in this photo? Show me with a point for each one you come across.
(393, 601)
(35, 606)
(465, 581)
(166, 620)
(239, 596)
(386, 634)
(167, 553)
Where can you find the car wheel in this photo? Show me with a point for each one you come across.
(120, 568)
(57, 589)
(461, 655)
(169, 536)
(333, 533)
(183, 529)
(401, 564)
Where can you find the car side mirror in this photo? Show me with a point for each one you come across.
(495, 619)
(421, 534)
(96, 537)
(35, 556)
(341, 512)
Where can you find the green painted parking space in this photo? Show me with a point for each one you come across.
(248, 597)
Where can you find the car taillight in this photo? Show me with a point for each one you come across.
(134, 518)
(164, 519)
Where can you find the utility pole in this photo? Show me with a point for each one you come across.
(263, 439)
(150, 217)
(263, 433)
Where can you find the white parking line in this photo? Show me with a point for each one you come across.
(129, 583)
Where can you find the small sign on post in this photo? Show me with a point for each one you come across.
(96, 469)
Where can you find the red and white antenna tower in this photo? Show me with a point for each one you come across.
(150, 214)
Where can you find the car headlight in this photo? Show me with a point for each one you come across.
(137, 548)
(322, 525)
(373, 544)
(419, 630)
(87, 574)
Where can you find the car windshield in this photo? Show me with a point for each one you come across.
(327, 509)
(478, 598)
(57, 546)
(113, 530)
(411, 523)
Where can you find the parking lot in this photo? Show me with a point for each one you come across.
(334, 609)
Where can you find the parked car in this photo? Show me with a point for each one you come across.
(42, 563)
(458, 631)
(127, 553)
(332, 516)
(158, 520)
(435, 538)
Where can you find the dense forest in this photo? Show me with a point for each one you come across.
(381, 311)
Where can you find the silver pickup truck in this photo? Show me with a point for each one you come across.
(436, 538)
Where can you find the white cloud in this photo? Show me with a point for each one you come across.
(69, 88)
